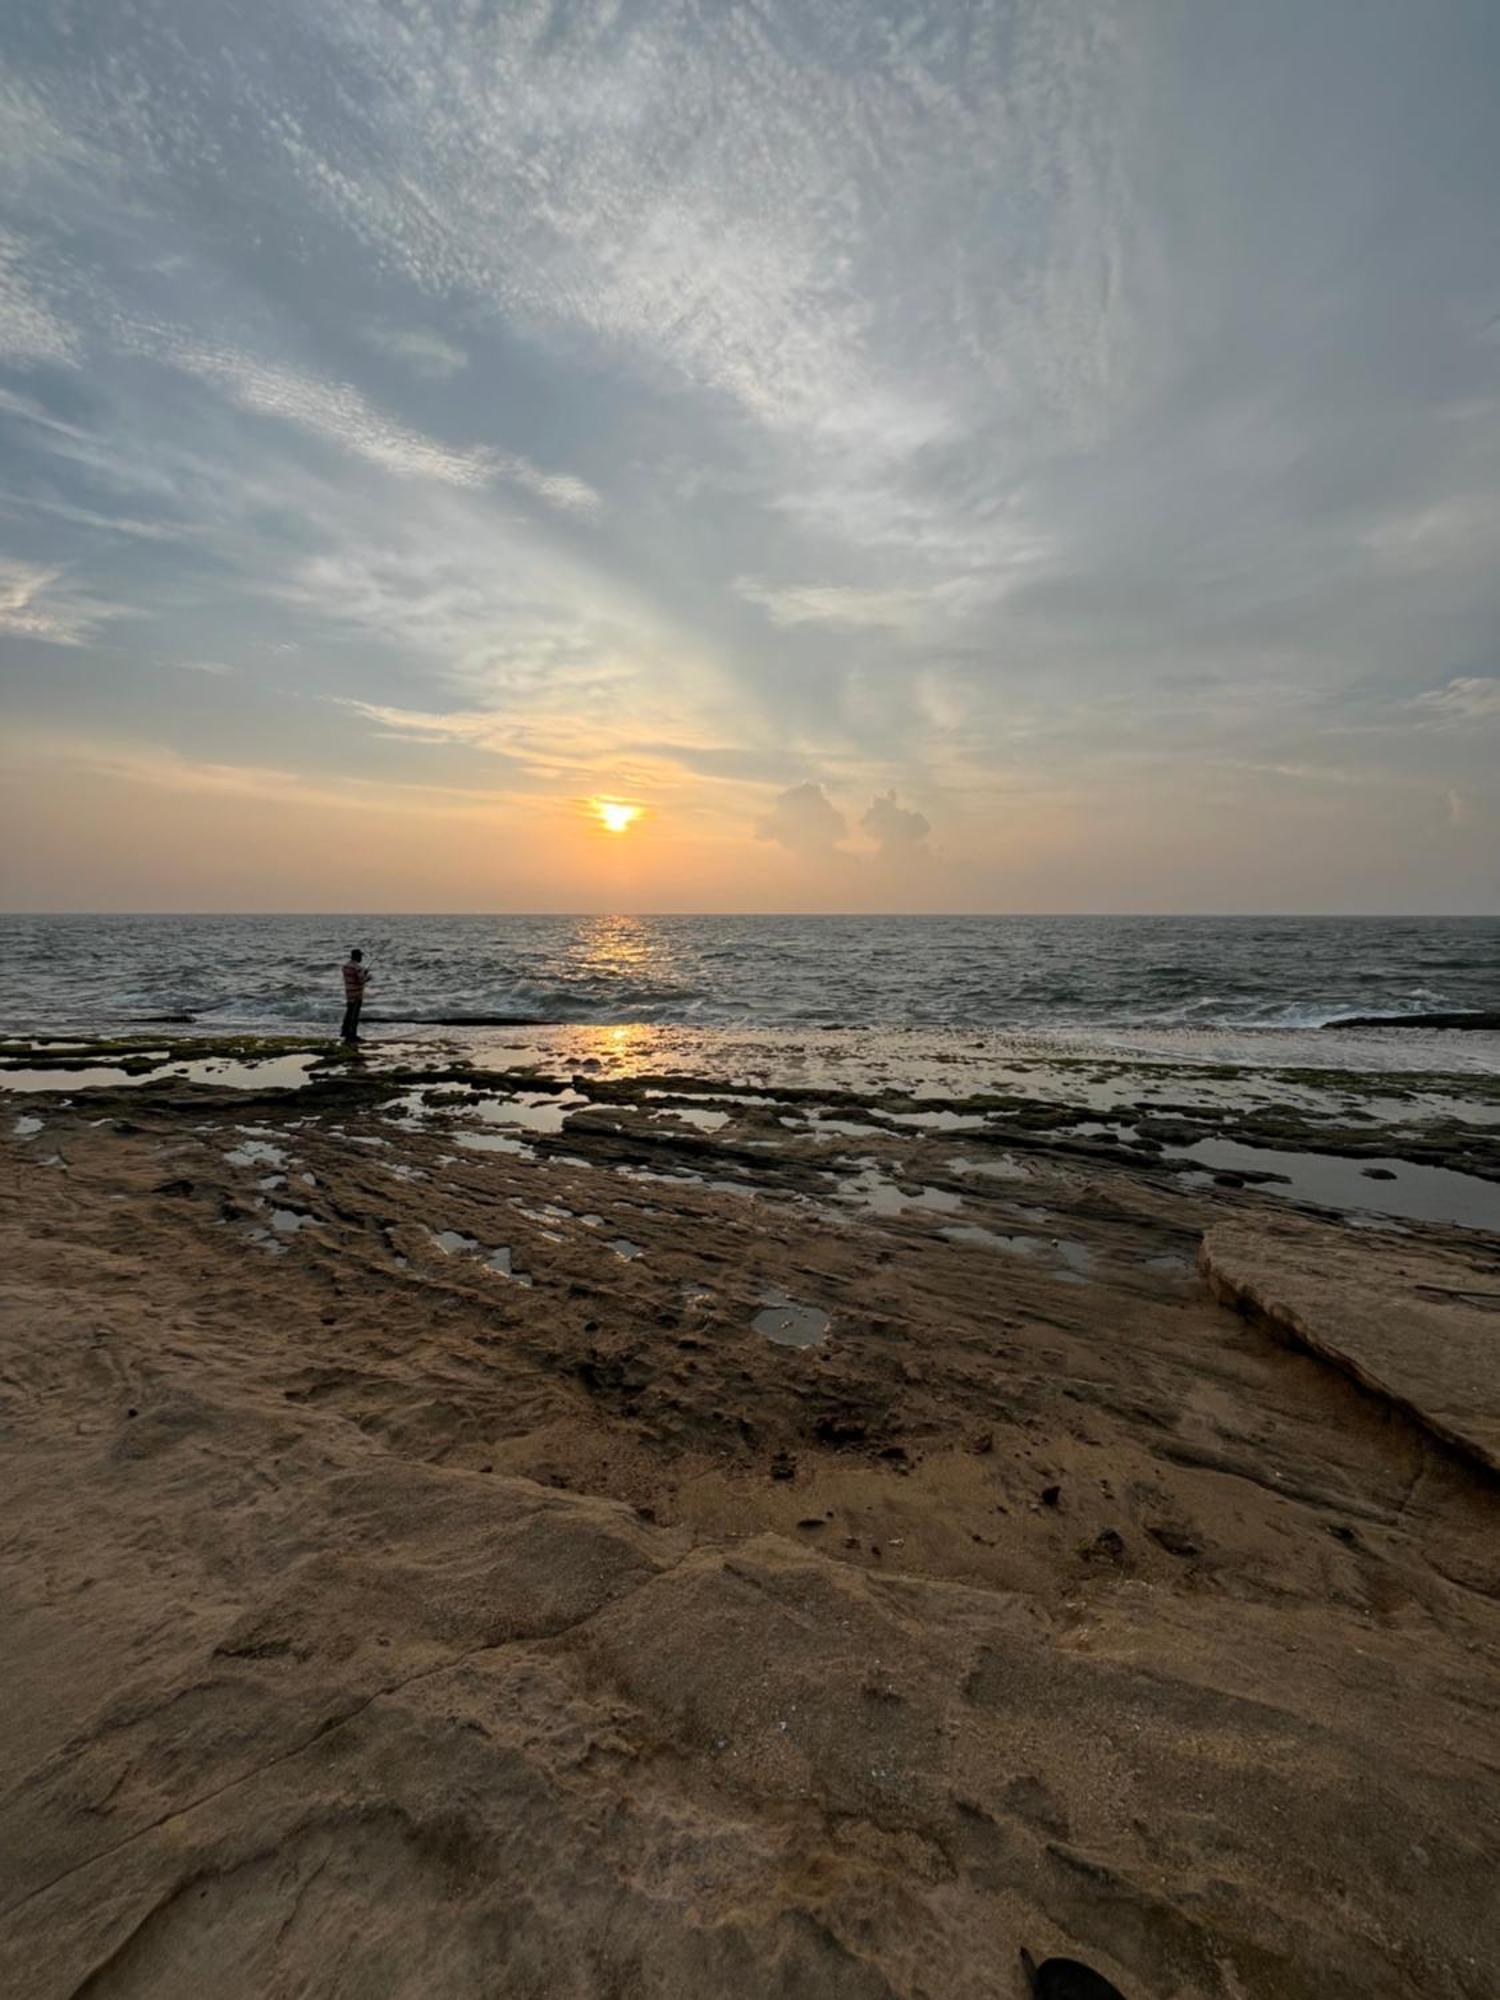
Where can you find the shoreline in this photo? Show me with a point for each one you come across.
(695, 1532)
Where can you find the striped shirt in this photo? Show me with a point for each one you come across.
(354, 982)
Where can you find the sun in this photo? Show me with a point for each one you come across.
(614, 817)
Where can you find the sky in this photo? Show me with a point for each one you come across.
(975, 455)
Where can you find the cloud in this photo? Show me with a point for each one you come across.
(509, 354)
(31, 330)
(426, 353)
(895, 828)
(341, 415)
(87, 517)
(804, 821)
(37, 603)
(167, 770)
(844, 607)
(1469, 698)
(216, 669)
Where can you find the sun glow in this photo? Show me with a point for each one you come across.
(614, 817)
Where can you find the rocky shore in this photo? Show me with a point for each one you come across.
(620, 1532)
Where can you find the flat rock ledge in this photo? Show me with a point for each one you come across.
(1419, 1328)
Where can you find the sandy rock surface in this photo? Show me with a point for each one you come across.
(379, 1625)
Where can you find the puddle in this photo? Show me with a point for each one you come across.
(624, 1248)
(452, 1243)
(499, 1261)
(68, 1079)
(27, 1128)
(264, 1240)
(268, 1183)
(825, 1126)
(493, 1142)
(274, 1072)
(256, 1153)
(1003, 1169)
(991, 1239)
(287, 1221)
(878, 1193)
(694, 1114)
(938, 1121)
(1327, 1180)
(531, 1110)
(781, 1319)
(269, 1073)
(1076, 1259)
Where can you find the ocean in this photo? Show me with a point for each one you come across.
(1036, 974)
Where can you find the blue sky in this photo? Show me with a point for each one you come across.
(988, 456)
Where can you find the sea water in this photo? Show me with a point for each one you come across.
(1034, 973)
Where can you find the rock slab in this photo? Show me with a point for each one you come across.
(1417, 1327)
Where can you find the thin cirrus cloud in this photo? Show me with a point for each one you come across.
(32, 331)
(940, 434)
(340, 414)
(843, 606)
(41, 603)
(426, 353)
(1466, 699)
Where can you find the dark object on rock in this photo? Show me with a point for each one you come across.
(1378, 1173)
(1227, 1179)
(1417, 1021)
(811, 1521)
(783, 1466)
(1066, 1979)
(1173, 1540)
(840, 1430)
(1107, 1546)
(175, 1188)
(1051, 1496)
(983, 1443)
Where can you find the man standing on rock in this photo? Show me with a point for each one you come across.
(356, 979)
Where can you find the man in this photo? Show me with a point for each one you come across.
(356, 979)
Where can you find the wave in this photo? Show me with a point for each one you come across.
(1010, 973)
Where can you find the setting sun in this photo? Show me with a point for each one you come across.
(614, 817)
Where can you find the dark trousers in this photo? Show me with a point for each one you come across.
(350, 1030)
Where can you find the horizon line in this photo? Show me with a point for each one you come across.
(830, 916)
